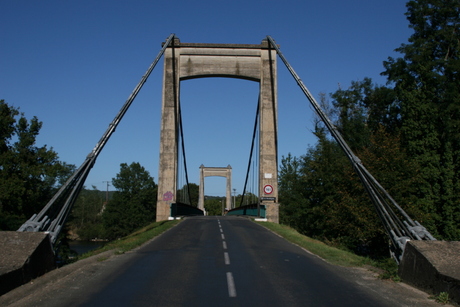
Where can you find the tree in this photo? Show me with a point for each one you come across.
(321, 195)
(427, 84)
(292, 189)
(86, 218)
(28, 173)
(213, 205)
(182, 194)
(133, 204)
(362, 109)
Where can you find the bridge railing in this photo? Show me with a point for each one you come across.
(249, 210)
(181, 209)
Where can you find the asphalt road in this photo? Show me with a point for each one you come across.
(213, 261)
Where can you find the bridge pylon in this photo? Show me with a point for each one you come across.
(256, 63)
(219, 172)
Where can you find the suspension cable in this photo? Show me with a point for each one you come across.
(183, 155)
(60, 205)
(255, 170)
(251, 151)
(399, 232)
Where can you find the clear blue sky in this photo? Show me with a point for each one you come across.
(74, 63)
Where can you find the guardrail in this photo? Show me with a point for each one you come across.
(251, 210)
(180, 209)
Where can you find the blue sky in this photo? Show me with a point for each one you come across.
(74, 63)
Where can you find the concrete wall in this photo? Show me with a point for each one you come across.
(433, 266)
(23, 257)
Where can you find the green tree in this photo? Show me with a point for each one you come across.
(427, 84)
(292, 192)
(133, 204)
(362, 109)
(213, 205)
(322, 197)
(320, 194)
(86, 219)
(182, 194)
(28, 173)
(247, 199)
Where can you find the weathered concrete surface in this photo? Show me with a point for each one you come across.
(23, 256)
(433, 266)
(183, 61)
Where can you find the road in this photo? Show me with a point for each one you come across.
(215, 261)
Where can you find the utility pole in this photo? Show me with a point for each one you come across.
(234, 195)
(107, 192)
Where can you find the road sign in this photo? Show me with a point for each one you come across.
(268, 189)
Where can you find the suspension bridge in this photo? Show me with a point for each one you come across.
(256, 63)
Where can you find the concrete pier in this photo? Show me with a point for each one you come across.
(23, 257)
(432, 266)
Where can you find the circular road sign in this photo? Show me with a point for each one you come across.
(268, 189)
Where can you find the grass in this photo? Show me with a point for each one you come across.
(390, 269)
(133, 240)
(330, 254)
(387, 268)
(442, 298)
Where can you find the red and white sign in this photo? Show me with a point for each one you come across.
(268, 189)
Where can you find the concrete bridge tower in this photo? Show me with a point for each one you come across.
(257, 63)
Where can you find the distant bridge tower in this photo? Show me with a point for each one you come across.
(257, 63)
(219, 172)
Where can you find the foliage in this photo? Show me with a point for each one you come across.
(64, 254)
(183, 194)
(292, 190)
(408, 137)
(134, 203)
(247, 199)
(390, 269)
(213, 205)
(442, 298)
(320, 193)
(363, 108)
(86, 218)
(28, 173)
(427, 84)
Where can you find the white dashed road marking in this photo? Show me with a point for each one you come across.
(231, 285)
(230, 281)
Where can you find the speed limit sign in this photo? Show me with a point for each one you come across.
(268, 189)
